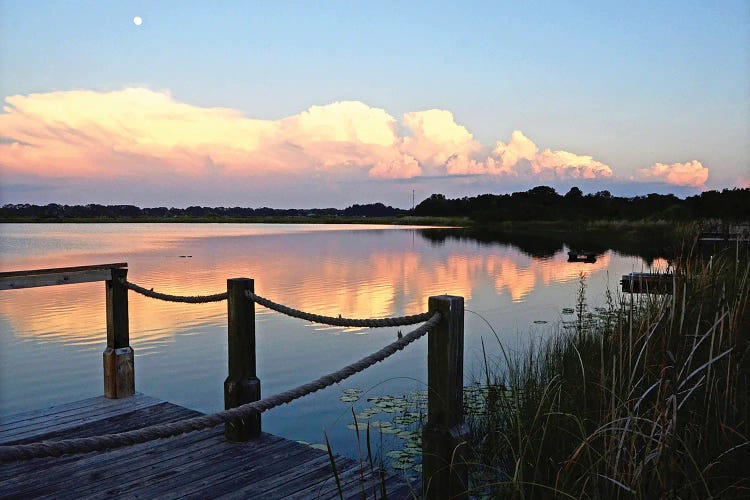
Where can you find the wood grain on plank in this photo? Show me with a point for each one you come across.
(196, 465)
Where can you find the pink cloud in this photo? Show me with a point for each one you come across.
(548, 163)
(518, 148)
(691, 173)
(137, 132)
(436, 137)
(403, 167)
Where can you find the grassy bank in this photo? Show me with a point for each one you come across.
(648, 397)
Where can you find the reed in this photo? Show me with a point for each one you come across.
(647, 397)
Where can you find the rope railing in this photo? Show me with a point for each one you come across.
(108, 441)
(289, 311)
(191, 299)
(338, 321)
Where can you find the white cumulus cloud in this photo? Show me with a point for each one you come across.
(139, 132)
(691, 173)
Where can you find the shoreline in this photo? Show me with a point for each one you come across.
(396, 221)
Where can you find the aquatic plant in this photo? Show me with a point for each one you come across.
(645, 397)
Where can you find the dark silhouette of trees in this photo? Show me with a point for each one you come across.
(371, 210)
(55, 212)
(541, 203)
(544, 203)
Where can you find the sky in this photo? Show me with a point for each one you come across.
(326, 104)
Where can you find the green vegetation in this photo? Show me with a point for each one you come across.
(55, 212)
(541, 203)
(647, 397)
(402, 221)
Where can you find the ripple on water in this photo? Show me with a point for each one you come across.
(49, 335)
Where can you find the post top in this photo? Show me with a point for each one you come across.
(445, 300)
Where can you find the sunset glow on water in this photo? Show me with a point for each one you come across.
(52, 337)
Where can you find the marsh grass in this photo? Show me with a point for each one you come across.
(646, 397)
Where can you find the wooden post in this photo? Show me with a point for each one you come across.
(444, 470)
(241, 385)
(119, 368)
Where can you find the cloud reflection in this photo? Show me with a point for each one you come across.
(314, 272)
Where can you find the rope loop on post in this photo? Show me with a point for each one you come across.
(338, 321)
(160, 431)
(194, 299)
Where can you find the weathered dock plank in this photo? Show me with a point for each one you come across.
(224, 478)
(201, 464)
(13, 280)
(79, 422)
(79, 409)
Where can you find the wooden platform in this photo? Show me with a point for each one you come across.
(654, 283)
(197, 465)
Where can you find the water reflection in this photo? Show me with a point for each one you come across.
(320, 273)
(649, 243)
(51, 338)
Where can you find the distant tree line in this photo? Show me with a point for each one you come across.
(541, 203)
(55, 211)
(544, 203)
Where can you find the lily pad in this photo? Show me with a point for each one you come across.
(392, 403)
(392, 409)
(404, 420)
(379, 424)
(359, 426)
(349, 399)
(404, 462)
(388, 430)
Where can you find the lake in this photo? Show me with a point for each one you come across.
(51, 338)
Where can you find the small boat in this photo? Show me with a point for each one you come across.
(589, 257)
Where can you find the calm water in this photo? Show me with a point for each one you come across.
(51, 338)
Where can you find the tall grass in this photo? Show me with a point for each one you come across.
(649, 397)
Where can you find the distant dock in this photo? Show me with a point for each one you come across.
(718, 237)
(656, 283)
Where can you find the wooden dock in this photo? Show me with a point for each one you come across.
(654, 283)
(237, 460)
(201, 464)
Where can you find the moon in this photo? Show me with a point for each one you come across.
(137, 20)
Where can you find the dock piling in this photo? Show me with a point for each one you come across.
(242, 385)
(445, 474)
(119, 366)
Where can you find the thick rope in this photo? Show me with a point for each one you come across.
(109, 441)
(333, 321)
(195, 299)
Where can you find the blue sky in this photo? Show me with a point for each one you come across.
(630, 85)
